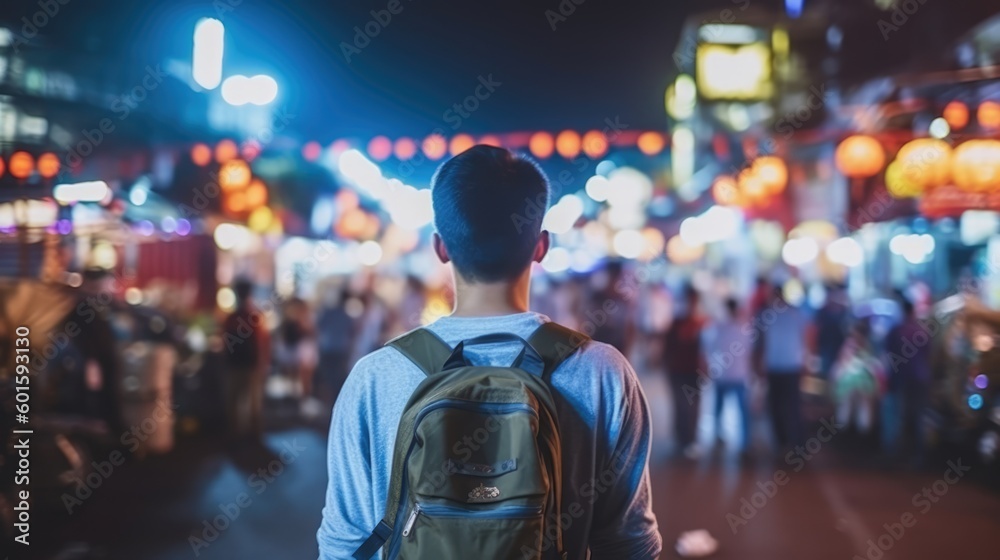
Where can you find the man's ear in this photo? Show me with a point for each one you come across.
(542, 248)
(440, 250)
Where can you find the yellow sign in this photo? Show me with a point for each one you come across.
(734, 72)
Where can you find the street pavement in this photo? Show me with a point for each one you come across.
(209, 500)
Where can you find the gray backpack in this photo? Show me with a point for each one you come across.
(476, 470)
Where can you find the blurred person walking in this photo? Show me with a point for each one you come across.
(335, 333)
(248, 345)
(684, 360)
(610, 312)
(858, 379)
(785, 333)
(728, 353)
(908, 353)
(601, 410)
(296, 353)
(831, 328)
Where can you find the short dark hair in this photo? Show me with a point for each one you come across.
(488, 210)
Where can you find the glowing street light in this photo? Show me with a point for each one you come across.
(257, 90)
(206, 62)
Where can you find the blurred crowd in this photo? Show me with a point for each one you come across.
(898, 371)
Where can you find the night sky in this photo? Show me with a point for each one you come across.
(606, 59)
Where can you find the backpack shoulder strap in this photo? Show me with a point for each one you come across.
(423, 348)
(554, 343)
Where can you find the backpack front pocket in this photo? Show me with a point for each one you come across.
(512, 531)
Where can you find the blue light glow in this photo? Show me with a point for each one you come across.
(975, 402)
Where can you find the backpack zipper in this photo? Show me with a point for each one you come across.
(462, 404)
(452, 512)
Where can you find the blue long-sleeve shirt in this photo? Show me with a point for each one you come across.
(604, 424)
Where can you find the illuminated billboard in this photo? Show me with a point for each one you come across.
(734, 72)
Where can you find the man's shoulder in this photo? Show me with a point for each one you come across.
(603, 353)
(603, 359)
(376, 360)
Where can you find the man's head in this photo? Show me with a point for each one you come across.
(488, 210)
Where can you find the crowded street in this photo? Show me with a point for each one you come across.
(555, 280)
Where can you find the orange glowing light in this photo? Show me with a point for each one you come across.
(956, 114)
(726, 192)
(380, 148)
(595, 145)
(490, 140)
(568, 144)
(651, 143)
(225, 150)
(405, 148)
(346, 200)
(201, 154)
(541, 144)
(21, 164)
(859, 157)
(1, 167)
(751, 186)
(352, 223)
(925, 163)
(435, 146)
(988, 114)
(976, 165)
(234, 175)
(460, 143)
(48, 165)
(256, 194)
(236, 202)
(772, 172)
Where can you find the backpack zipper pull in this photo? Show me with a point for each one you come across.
(408, 527)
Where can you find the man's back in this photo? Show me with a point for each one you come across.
(604, 424)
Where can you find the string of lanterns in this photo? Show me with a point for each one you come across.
(567, 144)
(21, 165)
(924, 164)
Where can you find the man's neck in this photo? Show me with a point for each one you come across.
(476, 299)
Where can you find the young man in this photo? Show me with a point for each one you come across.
(487, 205)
